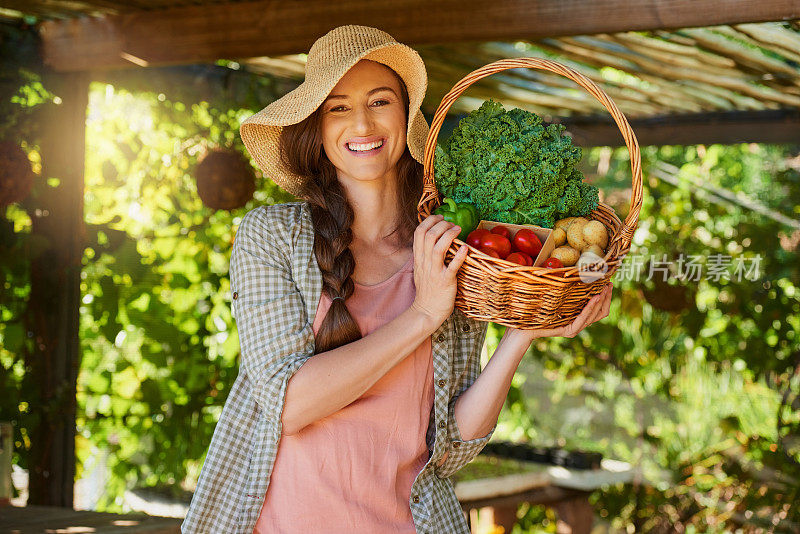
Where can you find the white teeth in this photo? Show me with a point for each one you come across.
(366, 146)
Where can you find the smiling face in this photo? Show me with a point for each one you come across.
(364, 123)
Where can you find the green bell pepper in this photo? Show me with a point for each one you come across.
(462, 214)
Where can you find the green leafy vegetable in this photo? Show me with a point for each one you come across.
(513, 167)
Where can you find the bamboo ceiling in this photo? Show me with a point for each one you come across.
(749, 67)
(721, 68)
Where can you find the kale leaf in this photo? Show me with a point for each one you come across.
(513, 167)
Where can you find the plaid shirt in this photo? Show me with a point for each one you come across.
(276, 285)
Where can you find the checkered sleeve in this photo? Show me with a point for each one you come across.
(460, 452)
(275, 335)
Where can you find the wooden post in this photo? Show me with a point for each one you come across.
(6, 451)
(52, 368)
(575, 516)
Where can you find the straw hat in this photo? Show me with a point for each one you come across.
(330, 57)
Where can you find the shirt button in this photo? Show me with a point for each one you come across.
(442, 424)
(456, 444)
(235, 295)
(442, 382)
(415, 499)
(465, 328)
(440, 338)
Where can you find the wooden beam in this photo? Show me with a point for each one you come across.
(55, 293)
(264, 28)
(546, 495)
(728, 127)
(216, 84)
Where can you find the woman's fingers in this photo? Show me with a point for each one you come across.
(583, 318)
(602, 300)
(591, 308)
(607, 302)
(433, 236)
(603, 304)
(422, 230)
(444, 242)
(435, 281)
(458, 260)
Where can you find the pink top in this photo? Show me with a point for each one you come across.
(353, 470)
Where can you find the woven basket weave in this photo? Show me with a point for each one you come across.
(492, 289)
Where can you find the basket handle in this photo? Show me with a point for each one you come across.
(620, 243)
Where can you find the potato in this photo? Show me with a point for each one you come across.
(595, 249)
(567, 255)
(575, 234)
(594, 233)
(559, 236)
(564, 223)
(588, 258)
(591, 267)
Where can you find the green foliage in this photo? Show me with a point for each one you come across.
(23, 98)
(513, 167)
(160, 346)
(693, 382)
(21, 88)
(685, 378)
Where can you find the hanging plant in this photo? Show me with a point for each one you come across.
(676, 298)
(225, 179)
(16, 174)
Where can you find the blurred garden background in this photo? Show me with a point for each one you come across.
(692, 380)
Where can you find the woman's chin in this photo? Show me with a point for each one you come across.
(369, 173)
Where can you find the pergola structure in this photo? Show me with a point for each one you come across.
(683, 72)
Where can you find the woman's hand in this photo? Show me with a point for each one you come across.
(435, 281)
(597, 308)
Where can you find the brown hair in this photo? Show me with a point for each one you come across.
(332, 216)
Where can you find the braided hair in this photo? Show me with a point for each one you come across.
(332, 216)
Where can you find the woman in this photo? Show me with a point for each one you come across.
(364, 435)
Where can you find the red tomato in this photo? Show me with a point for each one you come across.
(526, 241)
(490, 251)
(518, 257)
(552, 263)
(474, 237)
(528, 259)
(501, 230)
(497, 242)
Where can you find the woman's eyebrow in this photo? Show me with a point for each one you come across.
(384, 88)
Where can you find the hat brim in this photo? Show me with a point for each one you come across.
(261, 132)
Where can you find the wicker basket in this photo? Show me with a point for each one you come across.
(492, 289)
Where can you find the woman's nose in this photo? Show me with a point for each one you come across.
(363, 118)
